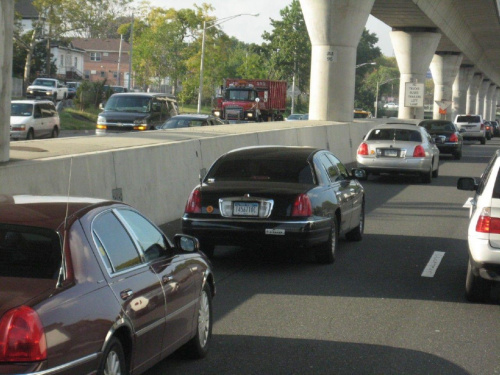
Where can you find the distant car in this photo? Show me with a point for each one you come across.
(391, 105)
(30, 119)
(189, 121)
(295, 197)
(295, 117)
(445, 134)
(488, 129)
(483, 270)
(496, 128)
(91, 286)
(72, 87)
(398, 148)
(473, 126)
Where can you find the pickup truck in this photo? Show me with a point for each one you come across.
(47, 88)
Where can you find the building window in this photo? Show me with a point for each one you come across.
(76, 62)
(103, 74)
(61, 63)
(87, 74)
(115, 74)
(95, 56)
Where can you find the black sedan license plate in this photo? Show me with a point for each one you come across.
(246, 209)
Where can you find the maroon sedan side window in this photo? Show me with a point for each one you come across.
(116, 243)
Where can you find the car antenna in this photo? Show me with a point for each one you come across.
(62, 270)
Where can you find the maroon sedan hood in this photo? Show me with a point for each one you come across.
(20, 291)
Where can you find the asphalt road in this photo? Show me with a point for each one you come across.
(372, 311)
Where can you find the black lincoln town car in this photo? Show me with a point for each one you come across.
(266, 196)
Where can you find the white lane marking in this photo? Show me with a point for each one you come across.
(433, 264)
(467, 203)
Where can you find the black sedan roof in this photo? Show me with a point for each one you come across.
(274, 152)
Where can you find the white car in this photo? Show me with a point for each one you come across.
(31, 119)
(472, 126)
(391, 105)
(483, 270)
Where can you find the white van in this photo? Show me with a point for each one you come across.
(31, 119)
(473, 127)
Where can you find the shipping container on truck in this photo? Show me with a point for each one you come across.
(251, 100)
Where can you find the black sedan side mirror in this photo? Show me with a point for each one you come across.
(359, 174)
(467, 183)
(186, 243)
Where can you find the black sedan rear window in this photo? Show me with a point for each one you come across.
(439, 126)
(394, 135)
(29, 252)
(289, 171)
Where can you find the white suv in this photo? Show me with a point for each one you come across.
(484, 231)
(31, 119)
(473, 127)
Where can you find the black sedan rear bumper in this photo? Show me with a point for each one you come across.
(246, 232)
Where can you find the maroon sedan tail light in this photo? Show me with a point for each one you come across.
(193, 205)
(22, 338)
(453, 138)
(302, 206)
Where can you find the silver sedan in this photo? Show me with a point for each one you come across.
(399, 149)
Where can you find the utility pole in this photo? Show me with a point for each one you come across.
(119, 58)
(6, 34)
(131, 48)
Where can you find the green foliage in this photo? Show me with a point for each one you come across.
(39, 57)
(90, 95)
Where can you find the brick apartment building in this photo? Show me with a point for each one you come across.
(101, 60)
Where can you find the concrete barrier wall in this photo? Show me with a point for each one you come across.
(157, 178)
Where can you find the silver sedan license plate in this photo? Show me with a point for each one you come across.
(246, 209)
(392, 153)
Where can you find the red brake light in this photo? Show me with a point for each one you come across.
(419, 152)
(22, 338)
(363, 149)
(302, 206)
(193, 205)
(482, 126)
(453, 138)
(487, 224)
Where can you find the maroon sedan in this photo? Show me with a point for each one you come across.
(90, 286)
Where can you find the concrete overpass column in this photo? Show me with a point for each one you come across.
(494, 105)
(335, 28)
(460, 87)
(472, 93)
(485, 85)
(6, 33)
(414, 49)
(444, 68)
(488, 102)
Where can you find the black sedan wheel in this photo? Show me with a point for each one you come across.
(113, 359)
(199, 344)
(458, 155)
(357, 233)
(325, 253)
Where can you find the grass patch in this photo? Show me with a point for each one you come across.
(73, 119)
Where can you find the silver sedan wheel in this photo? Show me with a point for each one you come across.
(204, 319)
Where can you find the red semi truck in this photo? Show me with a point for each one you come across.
(251, 100)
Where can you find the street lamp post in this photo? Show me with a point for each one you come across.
(205, 27)
(376, 95)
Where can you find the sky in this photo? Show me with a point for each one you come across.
(250, 29)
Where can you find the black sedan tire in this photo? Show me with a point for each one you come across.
(113, 359)
(198, 346)
(208, 249)
(483, 141)
(325, 253)
(357, 233)
(477, 289)
(458, 155)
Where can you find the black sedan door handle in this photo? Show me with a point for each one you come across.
(126, 294)
(167, 279)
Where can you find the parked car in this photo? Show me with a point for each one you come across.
(47, 88)
(190, 120)
(93, 287)
(300, 197)
(31, 119)
(361, 113)
(72, 87)
(488, 129)
(391, 106)
(483, 269)
(399, 148)
(126, 112)
(496, 128)
(473, 126)
(445, 134)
